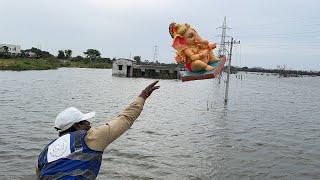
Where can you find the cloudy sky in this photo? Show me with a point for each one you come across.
(272, 32)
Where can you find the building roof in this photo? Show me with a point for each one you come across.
(126, 59)
(8, 45)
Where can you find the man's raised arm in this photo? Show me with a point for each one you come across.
(99, 138)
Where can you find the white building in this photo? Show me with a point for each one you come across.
(123, 67)
(12, 49)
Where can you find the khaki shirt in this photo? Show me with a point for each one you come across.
(100, 137)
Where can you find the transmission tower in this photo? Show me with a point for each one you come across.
(222, 48)
(155, 54)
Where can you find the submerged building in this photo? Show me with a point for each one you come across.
(129, 68)
(123, 67)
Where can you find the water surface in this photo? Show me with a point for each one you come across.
(269, 130)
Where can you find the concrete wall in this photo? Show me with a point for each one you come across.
(146, 71)
(120, 67)
(156, 71)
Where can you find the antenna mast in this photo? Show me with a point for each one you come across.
(155, 54)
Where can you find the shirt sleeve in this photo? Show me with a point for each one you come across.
(100, 137)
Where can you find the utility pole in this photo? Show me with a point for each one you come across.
(222, 48)
(229, 66)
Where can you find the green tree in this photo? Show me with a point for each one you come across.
(245, 68)
(61, 55)
(45, 54)
(36, 51)
(68, 53)
(77, 58)
(137, 59)
(39, 53)
(4, 52)
(92, 54)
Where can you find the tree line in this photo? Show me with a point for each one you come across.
(281, 70)
(89, 54)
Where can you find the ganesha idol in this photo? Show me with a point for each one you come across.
(191, 50)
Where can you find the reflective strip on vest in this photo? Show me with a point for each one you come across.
(68, 157)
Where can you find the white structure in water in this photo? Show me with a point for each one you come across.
(130, 68)
(123, 67)
(12, 49)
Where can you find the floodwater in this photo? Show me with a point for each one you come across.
(269, 130)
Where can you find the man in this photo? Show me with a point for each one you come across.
(77, 153)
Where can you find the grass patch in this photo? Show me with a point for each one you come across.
(19, 64)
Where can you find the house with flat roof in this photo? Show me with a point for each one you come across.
(123, 67)
(10, 48)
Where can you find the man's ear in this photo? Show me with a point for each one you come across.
(76, 126)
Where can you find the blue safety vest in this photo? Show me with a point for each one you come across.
(68, 157)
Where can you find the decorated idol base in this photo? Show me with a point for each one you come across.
(199, 75)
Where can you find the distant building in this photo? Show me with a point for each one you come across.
(123, 67)
(29, 54)
(12, 49)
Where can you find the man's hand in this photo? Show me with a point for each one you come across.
(149, 89)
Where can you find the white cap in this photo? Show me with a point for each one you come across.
(69, 117)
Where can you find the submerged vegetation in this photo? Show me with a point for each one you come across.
(28, 64)
(282, 71)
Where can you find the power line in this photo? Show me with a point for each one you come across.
(283, 30)
(295, 20)
(279, 35)
(280, 41)
(285, 45)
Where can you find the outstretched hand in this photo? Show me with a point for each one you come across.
(149, 89)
